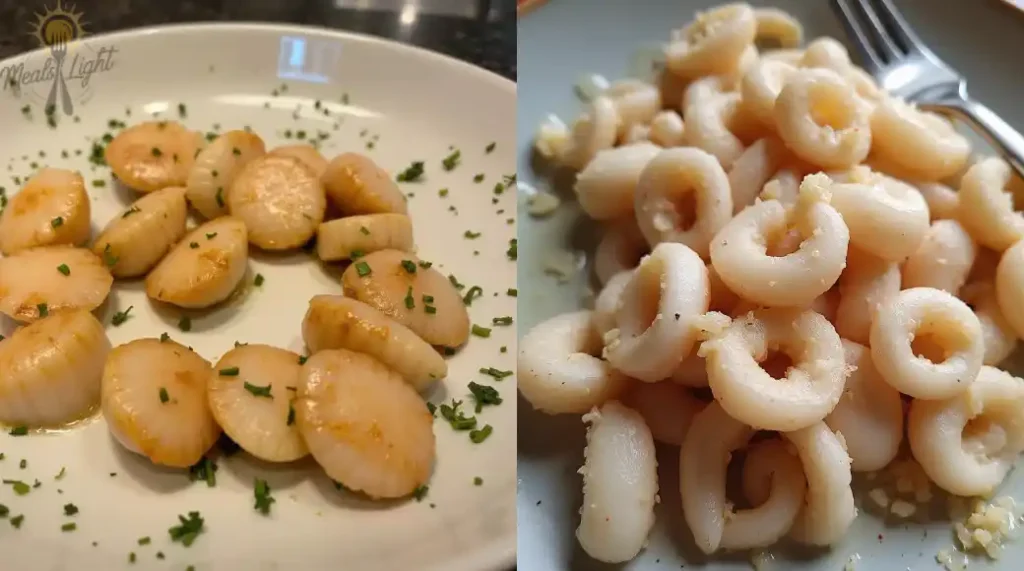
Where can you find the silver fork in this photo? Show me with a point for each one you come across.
(904, 66)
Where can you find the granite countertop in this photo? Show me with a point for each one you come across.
(482, 32)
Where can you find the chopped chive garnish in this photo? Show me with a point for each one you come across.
(452, 160)
(478, 436)
(428, 298)
(512, 292)
(409, 266)
(291, 415)
(506, 320)
(211, 235)
(43, 310)
(471, 235)
(443, 192)
(164, 397)
(156, 152)
(455, 282)
(430, 309)
(513, 249)
(236, 152)
(473, 293)
(229, 372)
(455, 417)
(364, 231)
(484, 395)
(70, 509)
(205, 470)
(108, 257)
(132, 557)
(120, 317)
(19, 431)
(490, 147)
(187, 531)
(70, 526)
(57, 222)
(258, 391)
(261, 491)
(220, 196)
(356, 254)
(363, 269)
(480, 331)
(425, 264)
(145, 540)
(60, 474)
(420, 493)
(185, 323)
(412, 173)
(64, 269)
(303, 359)
(164, 337)
(258, 280)
(19, 487)
(497, 374)
(193, 245)
(478, 178)
(409, 301)
(16, 521)
(478, 481)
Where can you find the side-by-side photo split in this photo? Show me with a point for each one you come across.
(258, 285)
(771, 278)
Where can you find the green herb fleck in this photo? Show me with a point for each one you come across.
(108, 257)
(16, 521)
(220, 196)
(412, 173)
(70, 509)
(452, 160)
(455, 417)
(478, 178)
(19, 487)
(478, 436)
(506, 320)
(420, 493)
(484, 395)
(512, 292)
(64, 269)
(497, 374)
(164, 337)
(164, 397)
(43, 309)
(261, 492)
(187, 531)
(258, 280)
(303, 359)
(185, 323)
(211, 235)
(258, 391)
(363, 269)
(120, 317)
(19, 431)
(229, 372)
(205, 470)
(57, 222)
(193, 245)
(156, 152)
(410, 302)
(480, 331)
(513, 249)
(471, 235)
(291, 415)
(471, 295)
(478, 481)
(490, 147)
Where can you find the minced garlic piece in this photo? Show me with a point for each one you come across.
(542, 204)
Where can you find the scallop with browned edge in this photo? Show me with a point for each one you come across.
(308, 154)
(368, 429)
(153, 155)
(53, 279)
(280, 200)
(204, 268)
(215, 168)
(50, 371)
(52, 208)
(412, 293)
(356, 185)
(354, 236)
(138, 238)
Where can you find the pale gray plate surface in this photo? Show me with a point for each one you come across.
(565, 39)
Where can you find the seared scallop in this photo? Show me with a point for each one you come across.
(360, 235)
(356, 185)
(154, 401)
(368, 429)
(136, 240)
(50, 371)
(337, 322)
(204, 268)
(153, 155)
(280, 200)
(215, 169)
(412, 293)
(251, 394)
(50, 280)
(305, 153)
(52, 208)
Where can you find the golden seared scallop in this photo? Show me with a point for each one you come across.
(154, 401)
(50, 280)
(398, 285)
(204, 268)
(215, 169)
(337, 322)
(367, 428)
(280, 200)
(50, 370)
(153, 155)
(251, 394)
(136, 240)
(339, 239)
(52, 208)
(305, 153)
(356, 185)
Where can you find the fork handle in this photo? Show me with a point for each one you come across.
(1000, 134)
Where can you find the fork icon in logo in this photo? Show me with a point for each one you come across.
(58, 35)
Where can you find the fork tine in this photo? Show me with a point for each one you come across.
(885, 44)
(899, 27)
(861, 40)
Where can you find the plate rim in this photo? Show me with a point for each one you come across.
(499, 554)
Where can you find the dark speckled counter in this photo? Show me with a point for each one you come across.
(482, 32)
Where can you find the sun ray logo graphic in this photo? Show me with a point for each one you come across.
(58, 25)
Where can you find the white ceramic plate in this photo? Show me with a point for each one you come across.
(413, 104)
(561, 42)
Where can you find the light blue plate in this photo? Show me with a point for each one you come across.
(566, 39)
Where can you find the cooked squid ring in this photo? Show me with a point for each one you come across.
(826, 53)
(713, 42)
(867, 283)
(943, 202)
(667, 129)
(986, 206)
(998, 335)
(784, 187)
(948, 322)
(761, 85)
(620, 249)
(703, 461)
(558, 372)
(740, 251)
(607, 302)
(943, 260)
(822, 120)
(920, 143)
(668, 409)
(781, 472)
(606, 186)
(778, 25)
(829, 509)
(653, 333)
(812, 385)
(708, 111)
(886, 217)
(1009, 280)
(967, 444)
(753, 169)
(667, 182)
(595, 130)
(636, 134)
(869, 415)
(620, 484)
(792, 56)
(637, 102)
